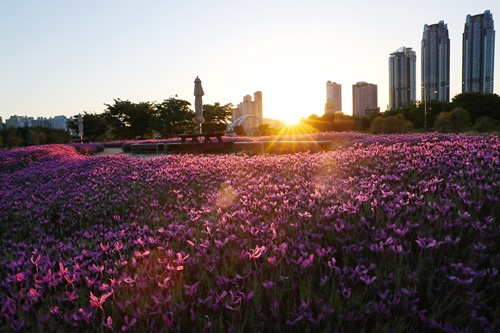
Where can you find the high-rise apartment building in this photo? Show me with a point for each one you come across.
(257, 97)
(333, 97)
(58, 122)
(478, 53)
(436, 63)
(364, 99)
(402, 78)
(16, 121)
(250, 108)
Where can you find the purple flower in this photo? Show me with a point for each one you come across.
(108, 322)
(17, 324)
(268, 284)
(294, 321)
(461, 281)
(191, 289)
(82, 315)
(368, 280)
(128, 323)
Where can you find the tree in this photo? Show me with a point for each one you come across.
(129, 120)
(455, 121)
(328, 122)
(344, 123)
(265, 129)
(216, 117)
(12, 137)
(361, 123)
(418, 112)
(52, 135)
(396, 124)
(443, 122)
(434, 107)
(240, 130)
(376, 126)
(320, 124)
(23, 136)
(390, 125)
(173, 116)
(39, 138)
(486, 124)
(95, 125)
(478, 104)
(460, 120)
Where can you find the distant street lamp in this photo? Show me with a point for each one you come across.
(425, 111)
(425, 108)
(30, 132)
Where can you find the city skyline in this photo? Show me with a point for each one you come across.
(59, 122)
(63, 59)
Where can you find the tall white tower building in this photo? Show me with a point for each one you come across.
(364, 99)
(436, 63)
(333, 97)
(250, 108)
(402, 78)
(478, 53)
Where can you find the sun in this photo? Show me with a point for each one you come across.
(292, 119)
(295, 127)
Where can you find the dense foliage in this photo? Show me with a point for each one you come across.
(388, 233)
(23, 136)
(482, 112)
(95, 126)
(126, 120)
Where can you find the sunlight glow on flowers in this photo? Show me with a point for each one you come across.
(398, 232)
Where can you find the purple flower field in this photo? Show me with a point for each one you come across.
(387, 233)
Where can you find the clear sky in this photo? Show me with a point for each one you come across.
(62, 57)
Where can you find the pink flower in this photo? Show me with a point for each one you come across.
(257, 252)
(128, 280)
(98, 302)
(55, 310)
(332, 263)
(272, 260)
(33, 294)
(104, 248)
(35, 261)
(19, 277)
(141, 255)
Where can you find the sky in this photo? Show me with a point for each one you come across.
(60, 57)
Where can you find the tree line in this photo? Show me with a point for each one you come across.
(467, 111)
(125, 120)
(24, 136)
